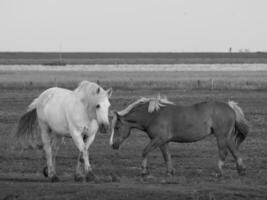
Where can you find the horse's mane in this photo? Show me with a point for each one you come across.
(86, 91)
(85, 85)
(154, 104)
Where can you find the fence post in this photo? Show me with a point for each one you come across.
(198, 84)
(212, 84)
(55, 81)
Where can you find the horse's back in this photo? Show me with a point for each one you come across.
(192, 123)
(181, 123)
(219, 114)
(59, 108)
(55, 98)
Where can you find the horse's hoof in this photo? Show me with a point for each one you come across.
(241, 171)
(54, 179)
(145, 173)
(78, 178)
(45, 172)
(148, 178)
(219, 175)
(90, 177)
(114, 178)
(171, 172)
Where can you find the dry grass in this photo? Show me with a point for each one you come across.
(21, 173)
(124, 80)
(130, 58)
(138, 67)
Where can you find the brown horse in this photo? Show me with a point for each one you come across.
(165, 122)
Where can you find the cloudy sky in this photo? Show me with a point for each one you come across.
(133, 25)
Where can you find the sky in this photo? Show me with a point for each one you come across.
(133, 25)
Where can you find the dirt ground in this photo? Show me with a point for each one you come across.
(21, 171)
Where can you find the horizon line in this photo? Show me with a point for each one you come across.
(134, 52)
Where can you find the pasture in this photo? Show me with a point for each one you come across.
(63, 58)
(118, 172)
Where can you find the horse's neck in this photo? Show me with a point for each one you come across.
(83, 97)
(87, 102)
(138, 117)
(80, 94)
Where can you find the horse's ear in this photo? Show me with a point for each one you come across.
(98, 90)
(109, 92)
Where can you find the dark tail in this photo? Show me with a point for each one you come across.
(241, 124)
(27, 128)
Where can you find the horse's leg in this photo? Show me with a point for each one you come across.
(241, 169)
(222, 148)
(167, 158)
(56, 140)
(46, 139)
(79, 170)
(154, 143)
(90, 137)
(83, 155)
(144, 168)
(89, 175)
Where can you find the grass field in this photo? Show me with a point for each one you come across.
(126, 77)
(54, 58)
(21, 172)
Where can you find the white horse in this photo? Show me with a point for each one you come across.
(59, 112)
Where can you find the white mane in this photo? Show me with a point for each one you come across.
(87, 91)
(85, 85)
(155, 103)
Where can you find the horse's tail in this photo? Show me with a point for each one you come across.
(241, 124)
(26, 130)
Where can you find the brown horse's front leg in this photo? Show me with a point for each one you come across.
(154, 143)
(167, 158)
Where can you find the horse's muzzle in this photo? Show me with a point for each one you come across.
(103, 128)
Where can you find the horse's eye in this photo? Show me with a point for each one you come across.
(97, 106)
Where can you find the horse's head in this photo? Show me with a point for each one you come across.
(96, 100)
(120, 130)
(102, 105)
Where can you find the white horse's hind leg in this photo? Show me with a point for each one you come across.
(56, 141)
(46, 139)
